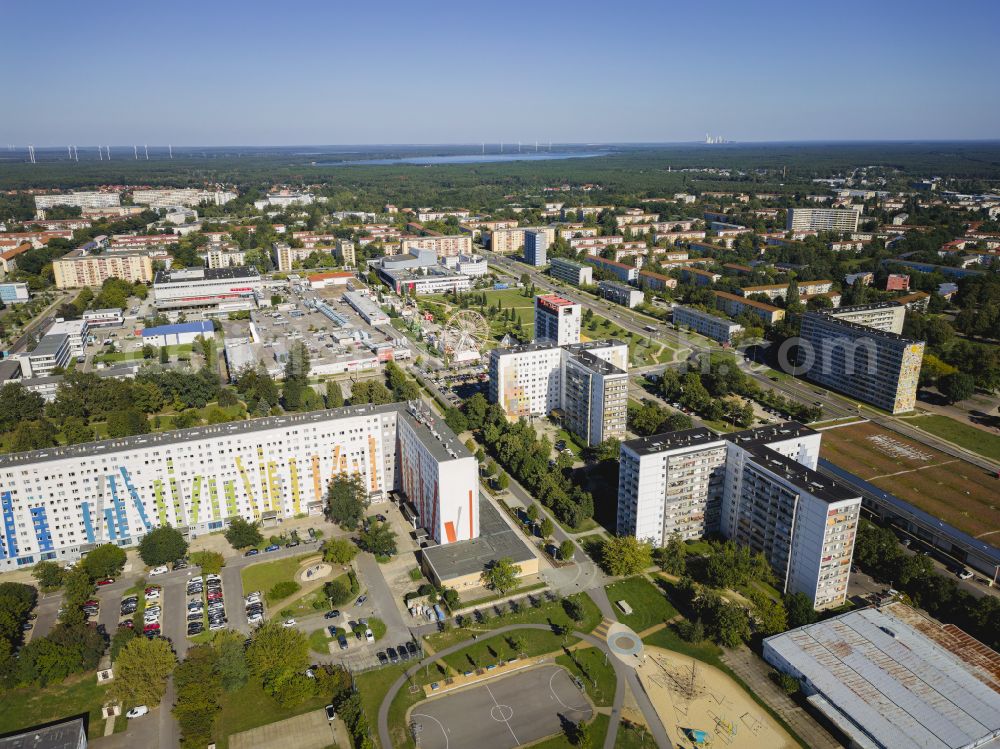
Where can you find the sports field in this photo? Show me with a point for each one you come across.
(951, 489)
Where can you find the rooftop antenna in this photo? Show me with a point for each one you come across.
(146, 149)
(135, 150)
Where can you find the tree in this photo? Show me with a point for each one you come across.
(198, 686)
(122, 637)
(503, 481)
(334, 395)
(566, 550)
(770, 615)
(49, 576)
(106, 560)
(799, 610)
(141, 672)
(338, 551)
(626, 555)
(957, 386)
(379, 539)
(346, 500)
(532, 512)
(573, 609)
(242, 534)
(547, 527)
(501, 575)
(162, 545)
(672, 558)
(337, 592)
(233, 668)
(127, 422)
(276, 649)
(76, 431)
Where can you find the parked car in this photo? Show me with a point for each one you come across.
(393, 656)
(369, 635)
(330, 712)
(383, 659)
(137, 712)
(251, 553)
(332, 614)
(106, 581)
(289, 623)
(272, 547)
(361, 600)
(411, 648)
(343, 642)
(162, 569)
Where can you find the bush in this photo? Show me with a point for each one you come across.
(788, 683)
(283, 589)
(426, 590)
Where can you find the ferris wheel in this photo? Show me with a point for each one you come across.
(464, 336)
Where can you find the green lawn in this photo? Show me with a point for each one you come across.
(591, 667)
(483, 653)
(373, 685)
(599, 729)
(319, 640)
(29, 706)
(250, 707)
(634, 736)
(264, 575)
(489, 599)
(184, 348)
(649, 605)
(550, 612)
(963, 435)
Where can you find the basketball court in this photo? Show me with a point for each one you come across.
(502, 713)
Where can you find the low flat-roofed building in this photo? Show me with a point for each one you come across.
(717, 328)
(460, 565)
(571, 271)
(890, 677)
(179, 334)
(620, 293)
(110, 317)
(66, 733)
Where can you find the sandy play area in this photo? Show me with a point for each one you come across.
(691, 696)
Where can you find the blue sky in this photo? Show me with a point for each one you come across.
(254, 73)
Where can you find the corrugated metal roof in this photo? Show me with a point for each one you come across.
(896, 686)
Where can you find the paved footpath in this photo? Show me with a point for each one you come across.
(755, 672)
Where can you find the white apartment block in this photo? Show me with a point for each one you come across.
(82, 200)
(758, 487)
(59, 502)
(822, 219)
(572, 272)
(81, 268)
(345, 252)
(285, 200)
(717, 328)
(671, 484)
(859, 351)
(779, 290)
(557, 320)
(450, 244)
(588, 381)
(186, 196)
(75, 330)
(428, 214)
(511, 240)
(220, 258)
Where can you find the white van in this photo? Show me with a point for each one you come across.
(159, 570)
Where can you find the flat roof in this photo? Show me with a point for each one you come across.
(89, 450)
(888, 679)
(183, 275)
(64, 734)
(554, 299)
(596, 363)
(196, 326)
(50, 344)
(496, 540)
(802, 477)
(658, 443)
(745, 300)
